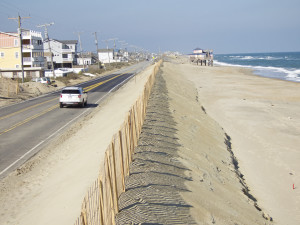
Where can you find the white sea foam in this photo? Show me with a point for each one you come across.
(273, 72)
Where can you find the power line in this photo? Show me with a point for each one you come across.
(20, 39)
(47, 38)
(81, 49)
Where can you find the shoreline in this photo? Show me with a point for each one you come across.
(255, 71)
(260, 115)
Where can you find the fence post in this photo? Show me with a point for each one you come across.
(7, 89)
(122, 159)
(110, 188)
(127, 147)
(17, 87)
(83, 213)
(115, 177)
(101, 206)
(131, 135)
(134, 127)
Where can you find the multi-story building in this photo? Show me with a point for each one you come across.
(106, 55)
(10, 52)
(63, 52)
(32, 54)
(87, 58)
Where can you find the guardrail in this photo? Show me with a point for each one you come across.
(100, 205)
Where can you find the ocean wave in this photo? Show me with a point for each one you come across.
(269, 71)
(238, 57)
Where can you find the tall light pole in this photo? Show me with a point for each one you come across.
(47, 39)
(97, 48)
(106, 41)
(81, 50)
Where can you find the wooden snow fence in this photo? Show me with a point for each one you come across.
(100, 205)
(8, 87)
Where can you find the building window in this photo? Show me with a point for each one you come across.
(17, 55)
(17, 66)
(16, 42)
(2, 54)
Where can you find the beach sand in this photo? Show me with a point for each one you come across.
(50, 187)
(262, 117)
(218, 116)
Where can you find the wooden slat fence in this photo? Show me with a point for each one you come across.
(8, 87)
(100, 205)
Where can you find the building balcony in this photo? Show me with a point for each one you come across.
(67, 60)
(29, 60)
(29, 48)
(27, 34)
(66, 51)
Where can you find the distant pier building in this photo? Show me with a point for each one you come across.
(202, 57)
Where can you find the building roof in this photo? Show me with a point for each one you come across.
(10, 33)
(105, 50)
(68, 41)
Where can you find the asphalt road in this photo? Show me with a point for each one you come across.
(27, 127)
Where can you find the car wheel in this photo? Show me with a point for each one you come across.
(61, 105)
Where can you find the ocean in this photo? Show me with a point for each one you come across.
(279, 65)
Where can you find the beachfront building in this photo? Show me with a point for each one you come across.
(86, 58)
(121, 55)
(10, 52)
(202, 57)
(63, 52)
(106, 55)
(32, 54)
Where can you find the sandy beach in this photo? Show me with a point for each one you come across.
(235, 138)
(262, 117)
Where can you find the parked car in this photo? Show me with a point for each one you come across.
(73, 96)
(43, 80)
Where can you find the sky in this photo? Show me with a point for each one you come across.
(225, 26)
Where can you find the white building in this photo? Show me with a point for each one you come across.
(86, 58)
(63, 52)
(33, 53)
(106, 55)
(122, 55)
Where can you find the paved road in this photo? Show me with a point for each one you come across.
(25, 128)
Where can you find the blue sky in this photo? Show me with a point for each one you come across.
(231, 26)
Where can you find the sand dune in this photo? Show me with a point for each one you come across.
(262, 117)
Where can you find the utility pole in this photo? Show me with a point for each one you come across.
(113, 39)
(96, 42)
(81, 50)
(107, 50)
(20, 39)
(47, 39)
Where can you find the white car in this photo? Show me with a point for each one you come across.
(73, 96)
(43, 80)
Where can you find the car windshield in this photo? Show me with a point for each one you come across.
(70, 92)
